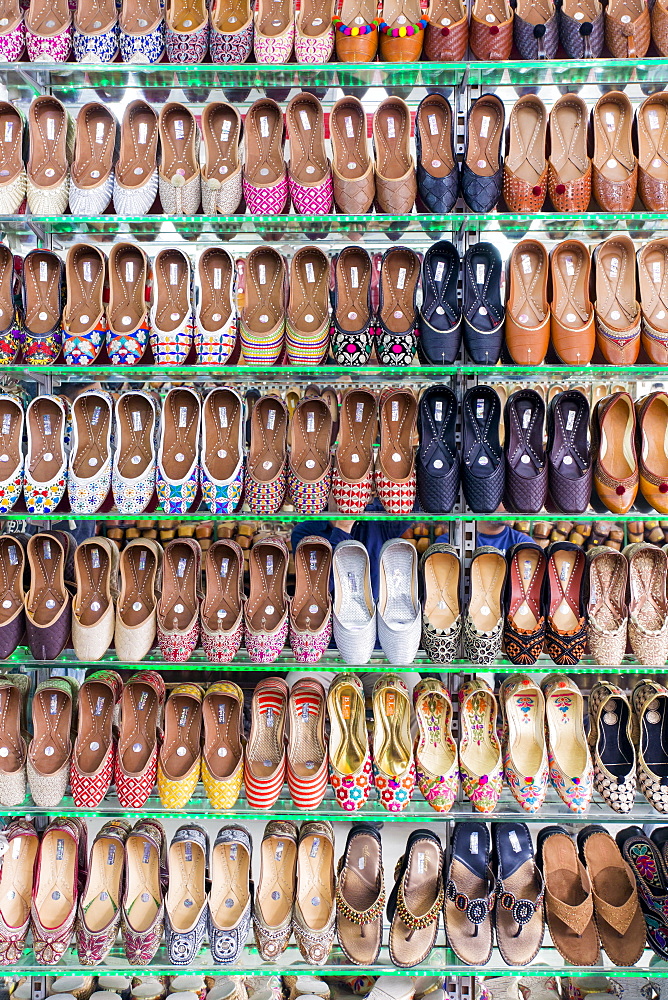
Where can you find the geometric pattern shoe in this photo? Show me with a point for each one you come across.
(396, 498)
(350, 774)
(95, 47)
(146, 48)
(136, 766)
(94, 756)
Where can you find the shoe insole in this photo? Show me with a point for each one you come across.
(653, 145)
(180, 434)
(353, 272)
(276, 889)
(308, 161)
(41, 277)
(222, 747)
(394, 9)
(392, 134)
(354, 451)
(138, 727)
(616, 284)
(590, 9)
(525, 567)
(92, 597)
(221, 138)
(526, 741)
(347, 720)
(399, 278)
(653, 284)
(535, 11)
(48, 163)
(352, 596)
(136, 426)
(353, 9)
(570, 295)
(222, 605)
(143, 895)
(187, 890)
(85, 287)
(526, 155)
(476, 749)
(360, 891)
(264, 306)
(178, 138)
(138, 153)
(263, 135)
(11, 436)
(96, 16)
(563, 608)
(396, 432)
(655, 437)
(347, 124)
(12, 562)
(178, 603)
(91, 415)
(616, 449)
(310, 604)
(526, 301)
(215, 273)
(315, 17)
(392, 750)
(172, 289)
(307, 750)
(96, 716)
(102, 899)
(16, 880)
(266, 747)
(488, 574)
(183, 727)
(267, 451)
(11, 143)
(56, 888)
(411, 944)
(127, 280)
(434, 749)
(315, 881)
(11, 741)
(614, 155)
(222, 419)
(45, 422)
(491, 11)
(230, 878)
(311, 430)
(655, 737)
(444, 12)
(568, 126)
(614, 747)
(441, 582)
(138, 17)
(231, 15)
(434, 122)
(48, 17)
(46, 596)
(138, 566)
(186, 16)
(272, 17)
(485, 123)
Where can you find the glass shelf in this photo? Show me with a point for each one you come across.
(330, 661)
(442, 960)
(63, 77)
(417, 811)
(291, 517)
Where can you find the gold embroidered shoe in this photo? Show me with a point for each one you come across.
(275, 895)
(315, 910)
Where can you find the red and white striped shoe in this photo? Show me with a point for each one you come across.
(307, 765)
(265, 761)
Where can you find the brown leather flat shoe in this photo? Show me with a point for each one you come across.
(352, 168)
(616, 307)
(395, 15)
(569, 904)
(356, 48)
(627, 28)
(491, 30)
(615, 165)
(446, 37)
(613, 433)
(652, 263)
(653, 153)
(572, 326)
(569, 167)
(651, 422)
(525, 165)
(527, 328)
(396, 185)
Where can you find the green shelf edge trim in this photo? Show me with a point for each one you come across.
(292, 517)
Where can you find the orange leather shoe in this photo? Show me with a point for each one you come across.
(652, 260)
(615, 165)
(652, 422)
(613, 433)
(525, 165)
(527, 326)
(401, 31)
(616, 306)
(572, 326)
(356, 31)
(569, 166)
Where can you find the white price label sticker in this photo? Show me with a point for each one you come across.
(183, 416)
(484, 126)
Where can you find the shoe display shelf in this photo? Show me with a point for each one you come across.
(75, 84)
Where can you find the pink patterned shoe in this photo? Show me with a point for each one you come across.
(48, 26)
(274, 31)
(222, 611)
(146, 854)
(13, 34)
(314, 33)
(186, 31)
(265, 176)
(393, 764)
(62, 860)
(231, 31)
(436, 760)
(352, 482)
(524, 750)
(395, 462)
(266, 468)
(311, 607)
(571, 768)
(178, 608)
(310, 172)
(350, 767)
(480, 760)
(307, 761)
(107, 855)
(266, 612)
(17, 875)
(310, 468)
(136, 767)
(94, 753)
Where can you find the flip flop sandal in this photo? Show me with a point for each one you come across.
(360, 895)
(569, 904)
(470, 895)
(647, 864)
(518, 916)
(416, 901)
(619, 919)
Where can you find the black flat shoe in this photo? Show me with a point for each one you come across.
(569, 465)
(440, 317)
(437, 462)
(526, 461)
(483, 474)
(437, 167)
(518, 915)
(482, 170)
(469, 895)
(482, 307)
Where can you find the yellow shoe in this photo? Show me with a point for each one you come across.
(223, 755)
(180, 757)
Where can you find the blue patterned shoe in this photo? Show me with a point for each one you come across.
(84, 321)
(95, 38)
(186, 905)
(178, 473)
(142, 31)
(133, 475)
(129, 274)
(230, 880)
(89, 473)
(222, 450)
(172, 317)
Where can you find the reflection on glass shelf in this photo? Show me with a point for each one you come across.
(418, 810)
(442, 960)
(291, 517)
(331, 660)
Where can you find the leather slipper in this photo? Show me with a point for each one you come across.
(569, 904)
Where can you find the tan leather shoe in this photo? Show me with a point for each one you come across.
(659, 18)
(362, 47)
(572, 327)
(527, 310)
(652, 260)
(613, 432)
(446, 37)
(525, 166)
(569, 167)
(491, 33)
(395, 15)
(627, 28)
(651, 422)
(352, 166)
(615, 165)
(653, 153)
(616, 306)
(396, 185)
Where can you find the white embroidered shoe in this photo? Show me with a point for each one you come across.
(92, 180)
(136, 174)
(11, 452)
(133, 475)
(51, 135)
(48, 435)
(89, 474)
(221, 173)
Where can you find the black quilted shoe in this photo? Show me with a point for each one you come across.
(569, 465)
(437, 167)
(440, 318)
(482, 467)
(437, 463)
(482, 170)
(352, 334)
